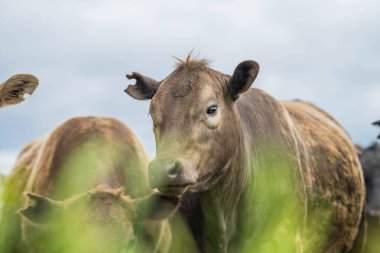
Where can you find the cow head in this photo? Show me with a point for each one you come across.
(97, 221)
(13, 90)
(195, 123)
(370, 160)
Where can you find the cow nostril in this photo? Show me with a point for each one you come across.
(172, 170)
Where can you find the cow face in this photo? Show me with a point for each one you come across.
(195, 123)
(13, 90)
(98, 221)
(370, 160)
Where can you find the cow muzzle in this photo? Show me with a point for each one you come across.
(171, 177)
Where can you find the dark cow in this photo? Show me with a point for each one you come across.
(377, 123)
(13, 90)
(368, 239)
(256, 174)
(87, 192)
(370, 160)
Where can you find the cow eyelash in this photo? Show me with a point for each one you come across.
(212, 110)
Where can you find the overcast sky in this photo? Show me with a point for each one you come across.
(326, 52)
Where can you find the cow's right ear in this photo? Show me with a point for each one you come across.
(42, 210)
(145, 87)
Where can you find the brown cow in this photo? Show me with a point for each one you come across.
(256, 174)
(101, 220)
(87, 176)
(13, 90)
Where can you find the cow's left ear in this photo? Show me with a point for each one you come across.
(13, 90)
(156, 206)
(244, 75)
(42, 209)
(145, 87)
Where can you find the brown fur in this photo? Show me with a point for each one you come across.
(13, 90)
(326, 143)
(256, 139)
(115, 219)
(58, 166)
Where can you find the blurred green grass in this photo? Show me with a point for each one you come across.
(86, 226)
(274, 216)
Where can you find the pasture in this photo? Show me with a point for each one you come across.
(77, 236)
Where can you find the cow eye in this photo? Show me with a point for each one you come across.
(212, 110)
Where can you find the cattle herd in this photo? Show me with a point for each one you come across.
(235, 170)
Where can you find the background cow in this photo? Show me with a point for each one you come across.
(377, 123)
(101, 220)
(370, 160)
(87, 192)
(13, 90)
(256, 174)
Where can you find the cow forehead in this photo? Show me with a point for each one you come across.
(179, 112)
(176, 91)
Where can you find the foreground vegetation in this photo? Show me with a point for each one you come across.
(84, 228)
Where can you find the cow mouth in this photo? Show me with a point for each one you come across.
(171, 190)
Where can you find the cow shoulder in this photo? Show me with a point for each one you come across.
(101, 149)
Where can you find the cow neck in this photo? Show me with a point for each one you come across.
(230, 184)
(211, 180)
(220, 202)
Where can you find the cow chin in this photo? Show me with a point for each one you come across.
(173, 190)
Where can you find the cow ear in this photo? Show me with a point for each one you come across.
(377, 123)
(13, 90)
(244, 75)
(144, 89)
(156, 206)
(42, 210)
